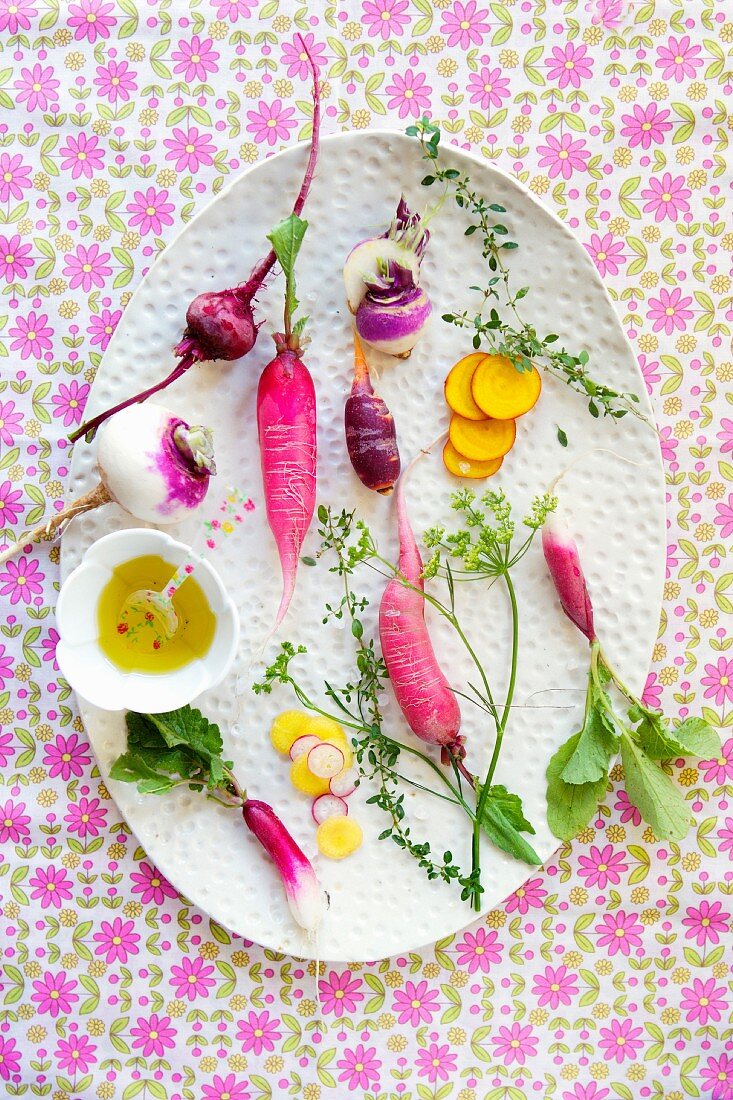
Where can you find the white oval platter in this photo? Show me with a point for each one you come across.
(380, 901)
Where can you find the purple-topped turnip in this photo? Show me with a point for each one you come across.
(382, 279)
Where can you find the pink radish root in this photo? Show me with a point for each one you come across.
(421, 689)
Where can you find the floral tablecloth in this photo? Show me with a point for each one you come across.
(606, 975)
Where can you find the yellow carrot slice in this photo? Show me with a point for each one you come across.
(287, 728)
(501, 391)
(458, 387)
(460, 466)
(304, 780)
(338, 837)
(482, 440)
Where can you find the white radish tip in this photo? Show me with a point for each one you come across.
(328, 805)
(344, 784)
(325, 760)
(302, 745)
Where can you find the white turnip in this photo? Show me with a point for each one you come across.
(150, 462)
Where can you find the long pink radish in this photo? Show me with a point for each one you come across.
(299, 878)
(421, 689)
(286, 426)
(563, 561)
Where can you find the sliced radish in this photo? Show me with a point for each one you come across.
(325, 760)
(302, 745)
(328, 805)
(344, 784)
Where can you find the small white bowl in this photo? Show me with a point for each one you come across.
(91, 673)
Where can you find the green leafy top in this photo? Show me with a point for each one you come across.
(286, 239)
(578, 772)
(172, 749)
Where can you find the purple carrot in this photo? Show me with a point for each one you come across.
(371, 438)
(299, 878)
(421, 689)
(220, 325)
(563, 561)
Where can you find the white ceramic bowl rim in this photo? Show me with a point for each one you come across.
(87, 669)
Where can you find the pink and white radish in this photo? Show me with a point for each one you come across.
(286, 426)
(328, 805)
(371, 437)
(220, 324)
(563, 561)
(344, 784)
(382, 279)
(326, 760)
(151, 462)
(303, 745)
(421, 689)
(299, 879)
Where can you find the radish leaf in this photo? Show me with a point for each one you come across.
(570, 806)
(503, 821)
(286, 239)
(693, 737)
(597, 743)
(658, 799)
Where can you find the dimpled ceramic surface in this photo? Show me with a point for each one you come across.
(380, 902)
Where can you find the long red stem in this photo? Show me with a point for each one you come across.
(245, 291)
(265, 266)
(92, 425)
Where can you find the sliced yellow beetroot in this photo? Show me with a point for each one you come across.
(328, 805)
(325, 760)
(301, 746)
(344, 783)
(338, 837)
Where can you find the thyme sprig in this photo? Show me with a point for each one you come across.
(357, 707)
(483, 548)
(518, 340)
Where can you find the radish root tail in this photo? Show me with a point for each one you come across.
(51, 527)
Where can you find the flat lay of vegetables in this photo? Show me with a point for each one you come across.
(409, 726)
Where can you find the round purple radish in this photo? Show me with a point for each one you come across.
(325, 760)
(344, 784)
(328, 805)
(303, 745)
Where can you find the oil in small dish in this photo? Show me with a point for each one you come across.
(131, 640)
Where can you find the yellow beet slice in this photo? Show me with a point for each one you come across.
(482, 440)
(304, 780)
(502, 392)
(338, 837)
(288, 727)
(325, 728)
(458, 464)
(458, 387)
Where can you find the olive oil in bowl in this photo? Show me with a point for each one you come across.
(131, 640)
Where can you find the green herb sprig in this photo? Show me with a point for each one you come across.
(483, 548)
(178, 748)
(519, 340)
